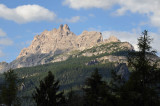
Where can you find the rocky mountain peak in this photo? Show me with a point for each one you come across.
(60, 27)
(64, 28)
(61, 40)
(55, 42)
(112, 39)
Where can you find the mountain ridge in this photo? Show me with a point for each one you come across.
(55, 42)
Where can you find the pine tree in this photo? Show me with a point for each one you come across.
(73, 99)
(10, 89)
(95, 90)
(47, 93)
(140, 90)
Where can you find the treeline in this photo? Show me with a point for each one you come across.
(71, 72)
(141, 89)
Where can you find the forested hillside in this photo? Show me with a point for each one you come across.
(73, 71)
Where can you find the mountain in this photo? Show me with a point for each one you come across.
(60, 44)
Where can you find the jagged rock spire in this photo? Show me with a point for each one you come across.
(60, 27)
(64, 28)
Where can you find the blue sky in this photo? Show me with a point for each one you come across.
(21, 20)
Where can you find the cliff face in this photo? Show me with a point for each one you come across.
(60, 40)
(3, 66)
(57, 41)
(51, 42)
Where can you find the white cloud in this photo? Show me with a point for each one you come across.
(26, 13)
(86, 4)
(132, 36)
(73, 19)
(150, 8)
(6, 41)
(156, 39)
(2, 33)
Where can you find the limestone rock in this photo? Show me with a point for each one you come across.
(3, 67)
(127, 46)
(54, 42)
(123, 71)
(92, 62)
(111, 58)
(88, 39)
(60, 41)
(46, 46)
(112, 39)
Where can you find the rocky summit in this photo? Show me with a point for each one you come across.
(60, 40)
(49, 44)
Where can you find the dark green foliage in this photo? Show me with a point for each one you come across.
(96, 92)
(74, 99)
(133, 93)
(115, 87)
(116, 81)
(1, 86)
(10, 89)
(141, 90)
(72, 72)
(47, 93)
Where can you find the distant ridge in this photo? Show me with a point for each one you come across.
(55, 42)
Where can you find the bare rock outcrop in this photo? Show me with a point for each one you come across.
(61, 40)
(3, 66)
(112, 39)
(88, 39)
(48, 44)
(123, 71)
(55, 41)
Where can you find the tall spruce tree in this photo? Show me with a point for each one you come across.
(140, 90)
(10, 89)
(73, 99)
(47, 93)
(96, 92)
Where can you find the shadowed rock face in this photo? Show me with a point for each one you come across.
(54, 42)
(123, 71)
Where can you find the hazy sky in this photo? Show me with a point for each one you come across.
(21, 20)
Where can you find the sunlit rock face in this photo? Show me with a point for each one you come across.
(57, 41)
(3, 66)
(60, 40)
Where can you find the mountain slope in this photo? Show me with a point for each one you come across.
(73, 71)
(58, 42)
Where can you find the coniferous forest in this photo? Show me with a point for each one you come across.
(70, 83)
